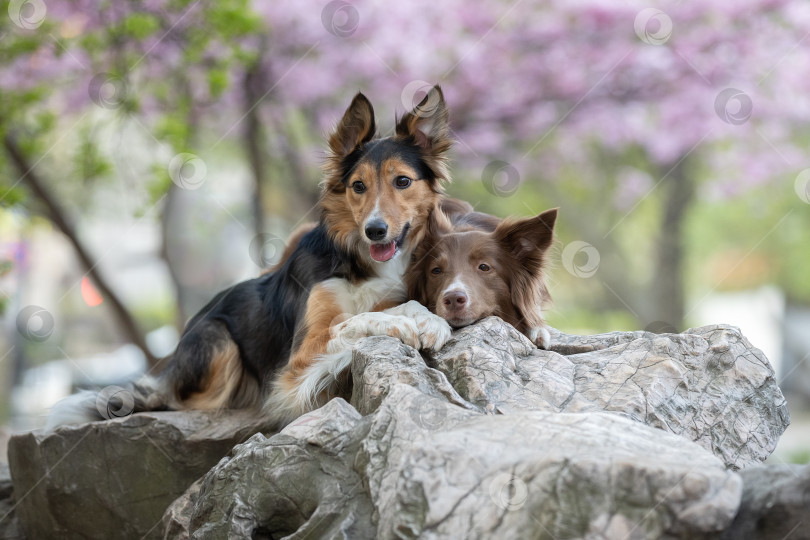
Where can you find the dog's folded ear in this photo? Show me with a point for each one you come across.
(428, 126)
(438, 224)
(356, 128)
(528, 239)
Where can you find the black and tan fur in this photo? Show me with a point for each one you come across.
(256, 343)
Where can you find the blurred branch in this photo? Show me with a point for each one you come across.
(59, 217)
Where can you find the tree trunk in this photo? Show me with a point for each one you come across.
(180, 296)
(181, 292)
(58, 217)
(252, 83)
(668, 281)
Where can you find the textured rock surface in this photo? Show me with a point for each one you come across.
(300, 480)
(9, 527)
(464, 475)
(423, 452)
(708, 384)
(115, 479)
(490, 438)
(775, 504)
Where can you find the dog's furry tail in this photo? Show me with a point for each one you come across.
(147, 394)
(293, 396)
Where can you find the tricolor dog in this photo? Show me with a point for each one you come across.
(279, 342)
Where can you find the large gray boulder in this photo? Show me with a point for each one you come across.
(9, 525)
(707, 384)
(625, 435)
(114, 479)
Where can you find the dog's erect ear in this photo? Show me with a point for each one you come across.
(428, 123)
(428, 126)
(355, 128)
(528, 239)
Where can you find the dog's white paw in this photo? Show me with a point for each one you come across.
(347, 333)
(540, 336)
(434, 331)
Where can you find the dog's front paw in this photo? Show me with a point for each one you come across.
(346, 334)
(540, 336)
(434, 331)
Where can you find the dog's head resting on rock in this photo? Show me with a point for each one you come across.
(475, 265)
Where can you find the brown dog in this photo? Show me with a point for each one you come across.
(473, 265)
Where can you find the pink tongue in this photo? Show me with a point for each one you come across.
(383, 252)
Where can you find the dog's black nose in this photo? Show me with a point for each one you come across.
(376, 229)
(455, 300)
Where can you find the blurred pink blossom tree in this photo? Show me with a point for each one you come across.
(597, 106)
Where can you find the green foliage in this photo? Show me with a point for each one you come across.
(88, 163)
(217, 81)
(159, 183)
(139, 25)
(799, 457)
(233, 19)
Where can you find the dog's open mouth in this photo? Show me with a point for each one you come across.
(386, 252)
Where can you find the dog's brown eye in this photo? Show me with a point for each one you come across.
(484, 267)
(402, 182)
(436, 270)
(359, 187)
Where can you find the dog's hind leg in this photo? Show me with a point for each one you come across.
(206, 372)
(292, 390)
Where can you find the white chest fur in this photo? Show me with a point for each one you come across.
(360, 297)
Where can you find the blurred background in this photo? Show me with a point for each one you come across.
(157, 151)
